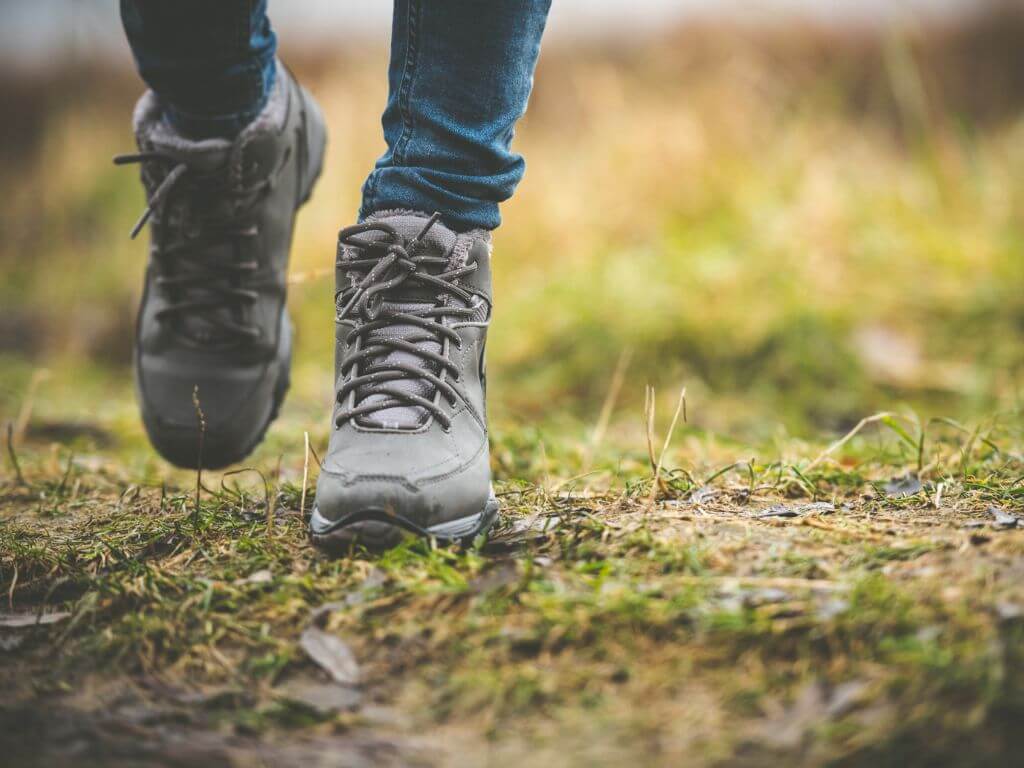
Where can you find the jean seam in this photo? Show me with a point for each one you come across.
(404, 97)
(405, 90)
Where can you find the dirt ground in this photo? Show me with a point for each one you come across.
(839, 614)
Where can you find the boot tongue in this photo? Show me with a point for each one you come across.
(411, 297)
(436, 241)
(208, 157)
(402, 416)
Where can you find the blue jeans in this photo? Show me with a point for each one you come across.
(460, 76)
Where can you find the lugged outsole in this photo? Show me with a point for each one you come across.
(377, 530)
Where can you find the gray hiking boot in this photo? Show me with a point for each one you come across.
(408, 452)
(212, 325)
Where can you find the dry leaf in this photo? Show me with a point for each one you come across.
(332, 655)
(31, 619)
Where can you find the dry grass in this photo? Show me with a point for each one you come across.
(790, 613)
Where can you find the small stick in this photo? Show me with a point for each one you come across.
(67, 474)
(10, 592)
(25, 414)
(19, 478)
(271, 499)
(779, 582)
(199, 462)
(305, 476)
(545, 481)
(680, 408)
(847, 437)
(656, 464)
(316, 458)
(610, 399)
(649, 425)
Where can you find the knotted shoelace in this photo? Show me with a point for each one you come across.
(386, 264)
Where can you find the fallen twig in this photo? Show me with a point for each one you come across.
(199, 463)
(18, 477)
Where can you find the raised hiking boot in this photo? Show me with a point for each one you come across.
(212, 327)
(408, 452)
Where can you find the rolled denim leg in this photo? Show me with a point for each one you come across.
(460, 77)
(210, 62)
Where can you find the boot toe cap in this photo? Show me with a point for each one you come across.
(236, 411)
(355, 506)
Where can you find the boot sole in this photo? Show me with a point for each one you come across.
(377, 529)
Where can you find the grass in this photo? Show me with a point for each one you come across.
(811, 572)
(590, 624)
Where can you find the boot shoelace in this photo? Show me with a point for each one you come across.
(389, 263)
(203, 286)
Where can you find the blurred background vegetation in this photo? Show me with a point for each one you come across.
(804, 220)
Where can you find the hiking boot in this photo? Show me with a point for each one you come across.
(408, 452)
(213, 341)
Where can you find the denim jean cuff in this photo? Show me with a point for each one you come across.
(226, 125)
(211, 126)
